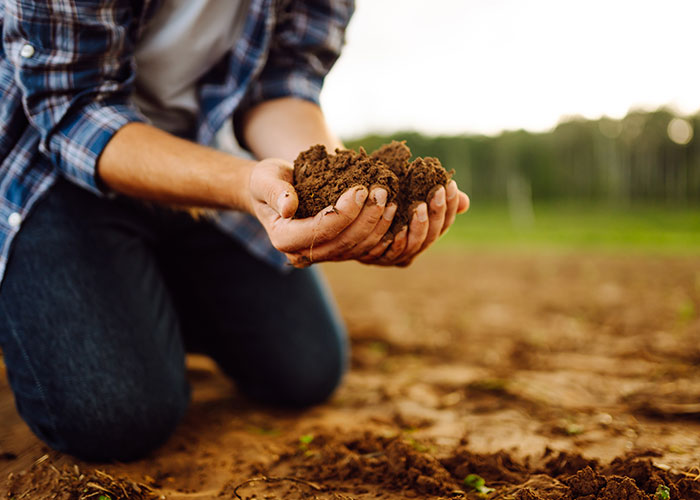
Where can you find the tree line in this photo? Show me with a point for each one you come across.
(640, 158)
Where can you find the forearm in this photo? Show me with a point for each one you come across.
(145, 162)
(281, 128)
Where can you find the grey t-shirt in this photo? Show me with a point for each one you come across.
(182, 41)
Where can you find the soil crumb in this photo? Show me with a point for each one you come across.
(320, 178)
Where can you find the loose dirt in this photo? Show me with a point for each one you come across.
(571, 377)
(320, 178)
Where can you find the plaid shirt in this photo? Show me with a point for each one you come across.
(66, 78)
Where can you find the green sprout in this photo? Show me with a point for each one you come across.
(104, 497)
(304, 442)
(662, 493)
(418, 446)
(573, 429)
(478, 484)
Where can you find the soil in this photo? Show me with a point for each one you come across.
(572, 377)
(320, 178)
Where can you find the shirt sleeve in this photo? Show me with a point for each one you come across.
(307, 40)
(74, 65)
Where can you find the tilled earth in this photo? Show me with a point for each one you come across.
(548, 376)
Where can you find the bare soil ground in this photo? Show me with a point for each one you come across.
(549, 376)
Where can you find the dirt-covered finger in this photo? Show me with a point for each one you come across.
(297, 260)
(374, 256)
(342, 246)
(417, 232)
(378, 234)
(294, 235)
(436, 215)
(396, 248)
(452, 193)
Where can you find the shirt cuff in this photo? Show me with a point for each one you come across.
(79, 142)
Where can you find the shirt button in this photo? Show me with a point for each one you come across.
(26, 51)
(14, 220)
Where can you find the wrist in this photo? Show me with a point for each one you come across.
(233, 187)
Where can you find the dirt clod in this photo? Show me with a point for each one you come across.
(321, 178)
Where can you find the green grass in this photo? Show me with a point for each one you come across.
(570, 227)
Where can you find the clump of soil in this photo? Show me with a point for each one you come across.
(320, 178)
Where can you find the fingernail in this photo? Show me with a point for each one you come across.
(360, 196)
(452, 190)
(439, 197)
(389, 212)
(379, 196)
(422, 212)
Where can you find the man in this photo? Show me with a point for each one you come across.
(105, 104)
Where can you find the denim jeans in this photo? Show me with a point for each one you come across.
(102, 298)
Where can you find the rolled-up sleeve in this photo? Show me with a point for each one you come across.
(306, 43)
(74, 65)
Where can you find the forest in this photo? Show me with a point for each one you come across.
(643, 158)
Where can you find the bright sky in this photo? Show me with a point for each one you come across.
(482, 66)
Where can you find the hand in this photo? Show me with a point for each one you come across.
(427, 224)
(349, 230)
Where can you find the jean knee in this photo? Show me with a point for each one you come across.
(304, 378)
(102, 427)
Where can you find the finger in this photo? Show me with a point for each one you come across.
(396, 249)
(452, 205)
(436, 215)
(270, 184)
(373, 255)
(464, 203)
(293, 235)
(377, 236)
(340, 247)
(417, 231)
(298, 261)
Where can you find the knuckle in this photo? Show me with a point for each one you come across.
(345, 244)
(373, 217)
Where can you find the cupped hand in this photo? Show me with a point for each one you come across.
(429, 221)
(352, 228)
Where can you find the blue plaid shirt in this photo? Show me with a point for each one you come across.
(66, 78)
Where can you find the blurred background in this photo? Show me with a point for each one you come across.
(569, 124)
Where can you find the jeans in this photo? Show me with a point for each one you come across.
(102, 298)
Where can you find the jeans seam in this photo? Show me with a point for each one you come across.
(28, 362)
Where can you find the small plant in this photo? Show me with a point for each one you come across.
(662, 493)
(418, 446)
(304, 442)
(478, 484)
(573, 429)
(104, 497)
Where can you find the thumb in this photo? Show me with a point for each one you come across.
(286, 202)
(271, 187)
